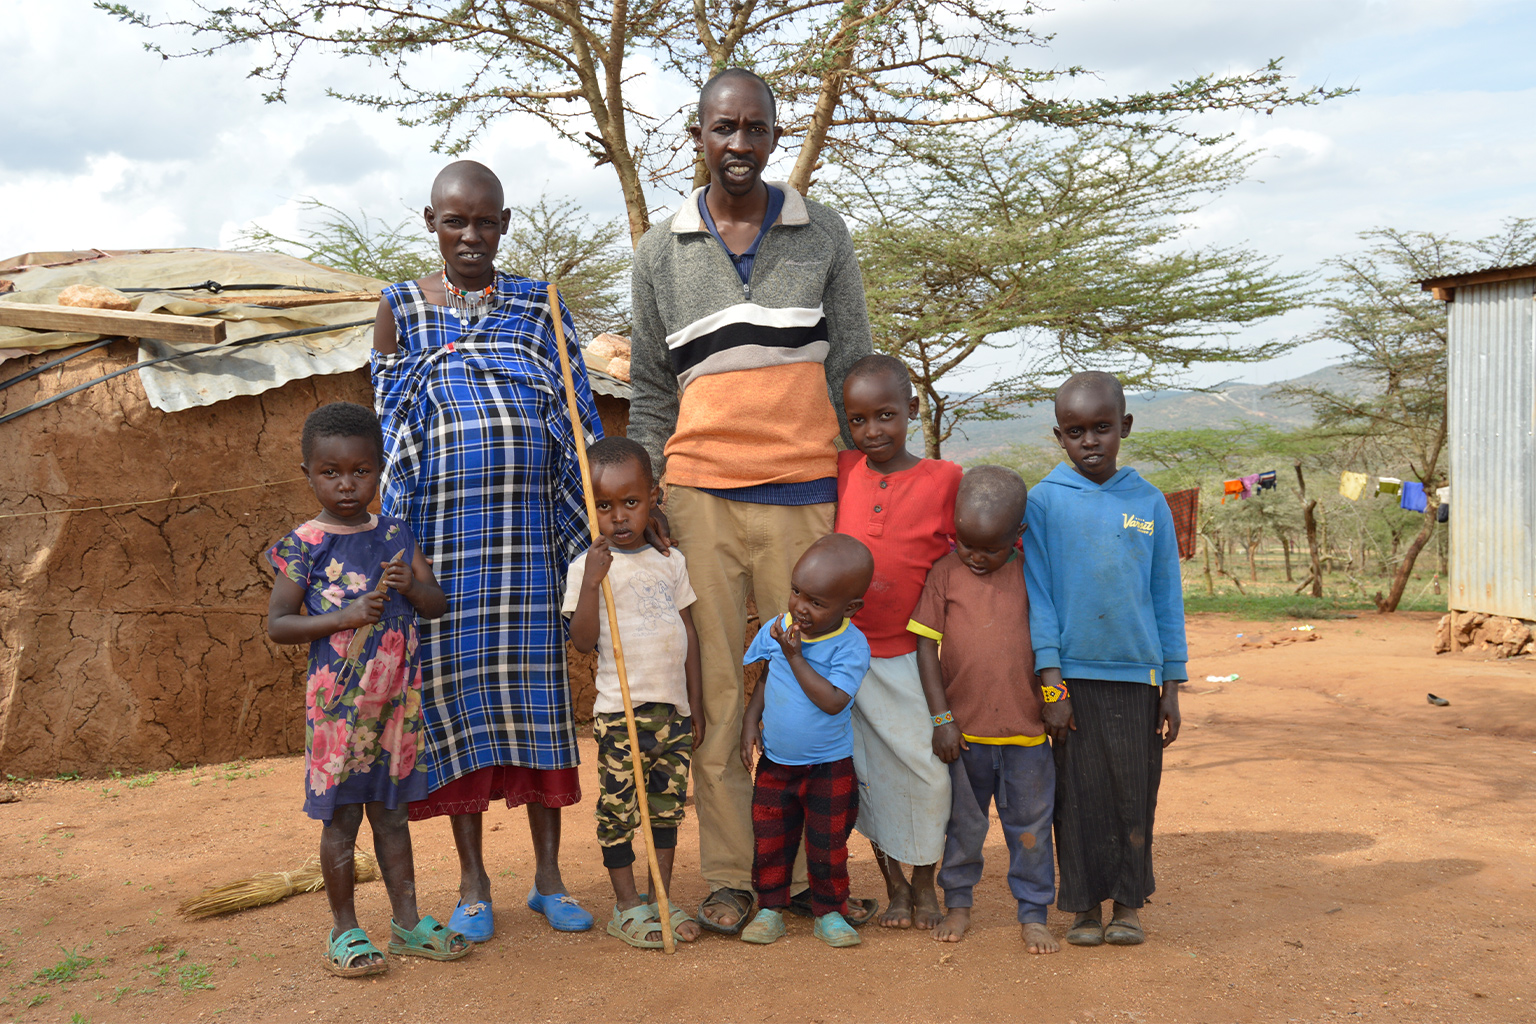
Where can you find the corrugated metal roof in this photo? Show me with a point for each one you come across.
(1492, 448)
(1488, 275)
(232, 370)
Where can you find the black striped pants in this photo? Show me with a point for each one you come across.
(1107, 773)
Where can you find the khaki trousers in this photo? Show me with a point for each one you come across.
(733, 548)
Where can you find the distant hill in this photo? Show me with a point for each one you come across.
(1159, 410)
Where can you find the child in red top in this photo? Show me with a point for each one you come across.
(902, 507)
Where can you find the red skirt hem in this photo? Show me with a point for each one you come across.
(473, 793)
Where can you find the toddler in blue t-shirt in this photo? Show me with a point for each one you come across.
(802, 719)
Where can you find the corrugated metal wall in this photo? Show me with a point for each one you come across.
(1493, 449)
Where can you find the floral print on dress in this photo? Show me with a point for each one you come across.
(363, 721)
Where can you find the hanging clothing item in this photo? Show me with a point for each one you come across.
(1389, 485)
(1443, 495)
(1185, 506)
(1267, 480)
(1352, 485)
(1413, 497)
(1232, 487)
(1249, 482)
(1443, 513)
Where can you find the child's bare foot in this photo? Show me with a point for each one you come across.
(1038, 939)
(954, 925)
(898, 912)
(925, 908)
(1124, 928)
(898, 892)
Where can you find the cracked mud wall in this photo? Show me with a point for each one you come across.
(136, 637)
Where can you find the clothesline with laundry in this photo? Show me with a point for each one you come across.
(1248, 486)
(1410, 493)
(1353, 486)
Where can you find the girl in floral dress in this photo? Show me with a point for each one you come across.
(350, 584)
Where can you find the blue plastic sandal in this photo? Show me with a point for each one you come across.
(563, 912)
(474, 921)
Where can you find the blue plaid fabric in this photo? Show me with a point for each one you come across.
(480, 461)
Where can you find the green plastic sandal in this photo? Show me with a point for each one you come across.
(429, 939)
(634, 924)
(351, 955)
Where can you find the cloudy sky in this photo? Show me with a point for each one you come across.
(105, 145)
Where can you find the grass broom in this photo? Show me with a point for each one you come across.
(269, 887)
(668, 942)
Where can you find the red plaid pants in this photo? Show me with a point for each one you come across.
(820, 799)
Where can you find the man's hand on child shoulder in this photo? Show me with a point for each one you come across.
(789, 639)
(599, 560)
(658, 532)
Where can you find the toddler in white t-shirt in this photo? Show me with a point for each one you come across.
(661, 658)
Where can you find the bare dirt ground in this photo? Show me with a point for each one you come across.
(1329, 847)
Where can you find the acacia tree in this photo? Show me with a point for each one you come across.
(1395, 339)
(854, 76)
(1062, 257)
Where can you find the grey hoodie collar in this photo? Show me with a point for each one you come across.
(687, 218)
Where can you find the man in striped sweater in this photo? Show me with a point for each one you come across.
(748, 311)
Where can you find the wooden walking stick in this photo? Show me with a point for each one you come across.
(662, 904)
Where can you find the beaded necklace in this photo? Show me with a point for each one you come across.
(468, 306)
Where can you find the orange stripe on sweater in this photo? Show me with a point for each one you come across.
(770, 425)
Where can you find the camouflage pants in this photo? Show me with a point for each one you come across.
(666, 746)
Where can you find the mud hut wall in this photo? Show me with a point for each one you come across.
(136, 637)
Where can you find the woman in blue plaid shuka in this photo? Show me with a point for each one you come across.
(482, 464)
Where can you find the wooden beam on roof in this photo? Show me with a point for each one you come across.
(234, 297)
(1443, 294)
(112, 322)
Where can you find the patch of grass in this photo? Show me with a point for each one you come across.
(68, 776)
(69, 968)
(79, 1018)
(194, 976)
(37, 1000)
(1275, 607)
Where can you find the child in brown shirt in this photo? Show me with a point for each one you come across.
(985, 700)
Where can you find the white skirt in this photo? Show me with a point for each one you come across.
(904, 790)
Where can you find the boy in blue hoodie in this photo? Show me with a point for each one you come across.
(1106, 617)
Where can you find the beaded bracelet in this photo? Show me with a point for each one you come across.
(1052, 694)
(944, 719)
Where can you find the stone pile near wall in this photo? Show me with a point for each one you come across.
(1503, 637)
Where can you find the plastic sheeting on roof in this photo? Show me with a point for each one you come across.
(233, 369)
